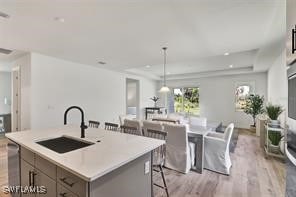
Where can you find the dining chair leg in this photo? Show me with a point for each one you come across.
(164, 181)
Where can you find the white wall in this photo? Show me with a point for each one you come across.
(58, 84)
(278, 88)
(278, 84)
(217, 96)
(5, 92)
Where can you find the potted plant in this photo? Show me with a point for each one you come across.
(274, 141)
(155, 99)
(273, 112)
(254, 107)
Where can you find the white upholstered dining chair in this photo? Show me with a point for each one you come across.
(123, 117)
(134, 124)
(197, 121)
(216, 156)
(176, 116)
(179, 152)
(152, 125)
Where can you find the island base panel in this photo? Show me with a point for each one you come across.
(129, 180)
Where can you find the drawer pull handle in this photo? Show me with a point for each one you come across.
(33, 178)
(63, 194)
(66, 182)
(30, 178)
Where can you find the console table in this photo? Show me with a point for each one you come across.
(152, 110)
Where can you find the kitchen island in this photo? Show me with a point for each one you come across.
(114, 164)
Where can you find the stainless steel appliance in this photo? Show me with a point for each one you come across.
(13, 151)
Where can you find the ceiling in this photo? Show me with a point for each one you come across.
(128, 35)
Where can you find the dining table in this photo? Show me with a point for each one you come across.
(196, 135)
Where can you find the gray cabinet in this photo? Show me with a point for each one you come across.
(26, 177)
(63, 192)
(37, 172)
(72, 182)
(128, 180)
(44, 180)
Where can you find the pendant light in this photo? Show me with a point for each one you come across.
(164, 88)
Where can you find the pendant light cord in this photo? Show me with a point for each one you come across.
(164, 66)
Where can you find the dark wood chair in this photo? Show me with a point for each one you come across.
(159, 156)
(93, 124)
(130, 130)
(111, 126)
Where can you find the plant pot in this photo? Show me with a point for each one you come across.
(273, 148)
(275, 123)
(253, 129)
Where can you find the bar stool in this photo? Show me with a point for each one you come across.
(111, 126)
(130, 130)
(158, 156)
(93, 124)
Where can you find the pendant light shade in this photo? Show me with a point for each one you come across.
(164, 88)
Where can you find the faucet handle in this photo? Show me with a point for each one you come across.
(83, 126)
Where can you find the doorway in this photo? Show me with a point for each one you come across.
(132, 98)
(5, 102)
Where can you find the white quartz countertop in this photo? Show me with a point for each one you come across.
(91, 162)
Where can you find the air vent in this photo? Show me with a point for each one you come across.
(4, 15)
(5, 51)
(101, 62)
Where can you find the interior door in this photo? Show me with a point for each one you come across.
(133, 98)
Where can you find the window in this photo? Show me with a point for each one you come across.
(186, 100)
(242, 91)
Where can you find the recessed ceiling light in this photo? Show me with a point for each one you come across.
(101, 62)
(4, 15)
(59, 19)
(230, 66)
(168, 73)
(148, 66)
(226, 53)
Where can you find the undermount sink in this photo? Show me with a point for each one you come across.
(63, 144)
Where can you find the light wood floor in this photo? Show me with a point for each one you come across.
(3, 165)
(252, 175)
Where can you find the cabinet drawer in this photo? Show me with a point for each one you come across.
(63, 192)
(46, 167)
(27, 155)
(43, 180)
(72, 182)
